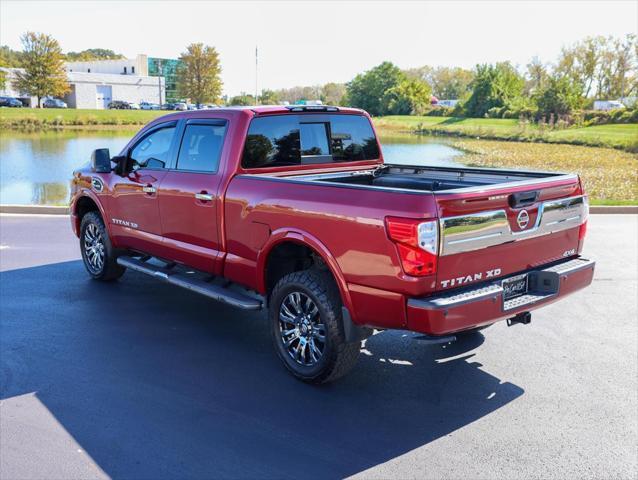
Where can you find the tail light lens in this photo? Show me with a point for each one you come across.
(417, 243)
(582, 231)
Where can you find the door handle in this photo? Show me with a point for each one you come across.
(204, 197)
(149, 189)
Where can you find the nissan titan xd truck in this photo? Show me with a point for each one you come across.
(293, 209)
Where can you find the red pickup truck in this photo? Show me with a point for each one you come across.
(293, 209)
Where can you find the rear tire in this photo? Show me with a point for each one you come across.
(98, 253)
(306, 327)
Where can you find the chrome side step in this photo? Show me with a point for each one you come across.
(192, 282)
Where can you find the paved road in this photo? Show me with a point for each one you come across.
(141, 380)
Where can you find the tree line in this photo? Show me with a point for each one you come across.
(596, 67)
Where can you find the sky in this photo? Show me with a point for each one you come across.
(311, 43)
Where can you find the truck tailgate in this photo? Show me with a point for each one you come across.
(495, 231)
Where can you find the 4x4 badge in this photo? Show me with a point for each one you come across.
(522, 219)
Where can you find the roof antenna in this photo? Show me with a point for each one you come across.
(256, 73)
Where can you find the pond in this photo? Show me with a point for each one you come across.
(35, 168)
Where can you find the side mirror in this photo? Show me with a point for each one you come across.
(121, 164)
(101, 160)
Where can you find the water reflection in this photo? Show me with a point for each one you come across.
(35, 168)
(409, 149)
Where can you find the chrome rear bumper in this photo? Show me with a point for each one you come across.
(483, 304)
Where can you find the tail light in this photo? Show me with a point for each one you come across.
(417, 243)
(582, 231)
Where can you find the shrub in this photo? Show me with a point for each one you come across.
(441, 112)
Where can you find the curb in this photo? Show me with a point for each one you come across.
(34, 209)
(49, 210)
(596, 209)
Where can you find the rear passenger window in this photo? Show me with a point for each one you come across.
(306, 139)
(272, 142)
(201, 147)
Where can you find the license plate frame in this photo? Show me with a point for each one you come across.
(515, 286)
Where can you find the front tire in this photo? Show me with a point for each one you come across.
(306, 327)
(98, 253)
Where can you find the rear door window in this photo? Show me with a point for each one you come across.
(304, 139)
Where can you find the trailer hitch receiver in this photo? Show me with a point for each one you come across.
(523, 317)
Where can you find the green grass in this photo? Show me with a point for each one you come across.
(610, 176)
(621, 136)
(37, 119)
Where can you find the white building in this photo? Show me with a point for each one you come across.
(97, 90)
(447, 103)
(91, 90)
(607, 105)
(125, 66)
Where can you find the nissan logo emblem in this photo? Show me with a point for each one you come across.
(522, 219)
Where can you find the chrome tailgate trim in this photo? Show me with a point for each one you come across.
(466, 233)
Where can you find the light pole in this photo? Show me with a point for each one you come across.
(159, 81)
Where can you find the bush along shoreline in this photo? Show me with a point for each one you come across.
(621, 136)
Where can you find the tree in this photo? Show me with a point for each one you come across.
(295, 94)
(269, 97)
(93, 54)
(367, 89)
(537, 76)
(558, 96)
(12, 58)
(411, 96)
(3, 74)
(198, 76)
(496, 85)
(43, 64)
(333, 93)
(449, 83)
(603, 67)
(242, 99)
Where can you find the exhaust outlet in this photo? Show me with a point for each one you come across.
(523, 317)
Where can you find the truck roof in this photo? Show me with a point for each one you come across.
(264, 110)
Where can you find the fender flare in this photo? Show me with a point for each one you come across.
(306, 239)
(73, 209)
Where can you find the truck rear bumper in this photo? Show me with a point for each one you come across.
(483, 304)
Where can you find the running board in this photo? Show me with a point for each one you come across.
(216, 292)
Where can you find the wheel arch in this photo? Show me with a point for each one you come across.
(87, 202)
(314, 245)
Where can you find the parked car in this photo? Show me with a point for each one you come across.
(181, 106)
(168, 106)
(191, 106)
(134, 106)
(54, 103)
(10, 102)
(119, 105)
(149, 106)
(292, 209)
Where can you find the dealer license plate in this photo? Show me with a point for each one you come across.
(514, 287)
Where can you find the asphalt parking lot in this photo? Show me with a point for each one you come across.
(138, 379)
